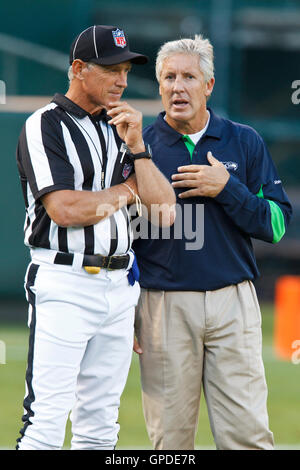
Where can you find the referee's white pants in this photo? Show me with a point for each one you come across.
(80, 349)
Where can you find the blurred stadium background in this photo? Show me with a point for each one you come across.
(257, 46)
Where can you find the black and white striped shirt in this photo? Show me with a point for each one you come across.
(61, 146)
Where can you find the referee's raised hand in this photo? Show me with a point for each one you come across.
(128, 122)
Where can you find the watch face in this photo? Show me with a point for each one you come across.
(147, 154)
(141, 155)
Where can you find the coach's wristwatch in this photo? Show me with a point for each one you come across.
(136, 156)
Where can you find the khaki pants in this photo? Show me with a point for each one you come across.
(214, 338)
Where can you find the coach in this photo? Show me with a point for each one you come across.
(78, 179)
(198, 319)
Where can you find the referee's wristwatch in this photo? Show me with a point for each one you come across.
(136, 156)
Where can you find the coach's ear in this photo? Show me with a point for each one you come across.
(209, 86)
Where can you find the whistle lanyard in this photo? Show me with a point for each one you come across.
(104, 148)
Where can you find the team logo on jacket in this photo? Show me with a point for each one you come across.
(230, 165)
(126, 170)
(119, 38)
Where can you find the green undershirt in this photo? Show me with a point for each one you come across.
(189, 145)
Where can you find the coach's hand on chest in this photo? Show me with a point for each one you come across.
(201, 180)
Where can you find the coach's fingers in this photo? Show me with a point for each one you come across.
(182, 176)
(190, 193)
(184, 184)
(189, 168)
(136, 347)
(212, 160)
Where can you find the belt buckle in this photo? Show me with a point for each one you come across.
(92, 269)
(109, 263)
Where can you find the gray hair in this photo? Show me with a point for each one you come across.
(198, 46)
(71, 74)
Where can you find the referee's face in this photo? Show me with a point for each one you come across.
(104, 84)
(184, 92)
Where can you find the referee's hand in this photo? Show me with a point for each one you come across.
(136, 347)
(129, 123)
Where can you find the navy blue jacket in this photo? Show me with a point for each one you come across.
(252, 204)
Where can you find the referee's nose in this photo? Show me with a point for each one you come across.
(121, 80)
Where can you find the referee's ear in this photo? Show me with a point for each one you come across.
(77, 67)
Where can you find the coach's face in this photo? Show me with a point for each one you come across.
(184, 92)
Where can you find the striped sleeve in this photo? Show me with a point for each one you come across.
(42, 155)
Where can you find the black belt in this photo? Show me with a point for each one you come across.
(106, 262)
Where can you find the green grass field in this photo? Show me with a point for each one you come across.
(283, 380)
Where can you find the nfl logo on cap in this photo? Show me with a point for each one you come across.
(119, 38)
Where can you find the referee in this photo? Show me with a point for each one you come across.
(82, 162)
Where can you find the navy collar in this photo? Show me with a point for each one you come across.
(70, 107)
(170, 136)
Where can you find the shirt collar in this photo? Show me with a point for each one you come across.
(70, 107)
(170, 136)
(216, 125)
